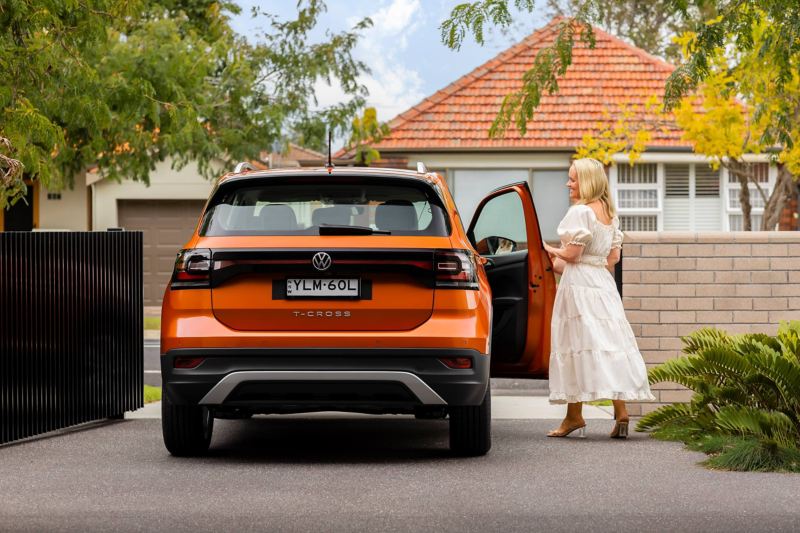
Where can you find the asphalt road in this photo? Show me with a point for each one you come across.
(387, 474)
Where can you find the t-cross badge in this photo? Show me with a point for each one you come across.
(352, 289)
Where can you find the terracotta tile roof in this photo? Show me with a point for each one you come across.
(301, 153)
(459, 116)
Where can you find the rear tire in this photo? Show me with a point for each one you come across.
(187, 429)
(471, 427)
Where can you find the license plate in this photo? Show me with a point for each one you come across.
(322, 288)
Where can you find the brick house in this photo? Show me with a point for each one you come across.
(669, 189)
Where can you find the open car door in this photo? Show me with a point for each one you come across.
(505, 231)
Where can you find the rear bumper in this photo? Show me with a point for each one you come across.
(461, 319)
(297, 380)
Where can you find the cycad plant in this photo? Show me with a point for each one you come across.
(745, 412)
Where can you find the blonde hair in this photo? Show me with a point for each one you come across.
(593, 184)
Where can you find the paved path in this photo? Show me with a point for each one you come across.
(152, 363)
(386, 474)
(504, 407)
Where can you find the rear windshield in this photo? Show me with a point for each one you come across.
(275, 206)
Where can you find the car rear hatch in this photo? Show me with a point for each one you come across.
(331, 254)
(360, 290)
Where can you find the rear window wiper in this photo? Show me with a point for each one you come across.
(332, 229)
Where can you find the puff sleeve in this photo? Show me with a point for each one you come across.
(575, 227)
(616, 241)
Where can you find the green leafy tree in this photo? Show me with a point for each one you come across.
(734, 27)
(366, 130)
(648, 24)
(122, 85)
(10, 170)
(725, 126)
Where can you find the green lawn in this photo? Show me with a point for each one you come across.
(601, 402)
(152, 322)
(152, 394)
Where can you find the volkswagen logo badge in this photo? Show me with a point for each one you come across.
(321, 261)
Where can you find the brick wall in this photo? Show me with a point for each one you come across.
(789, 216)
(675, 283)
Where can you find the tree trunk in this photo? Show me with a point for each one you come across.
(777, 200)
(739, 169)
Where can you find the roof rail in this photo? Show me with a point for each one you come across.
(421, 168)
(244, 165)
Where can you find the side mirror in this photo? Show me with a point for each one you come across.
(494, 245)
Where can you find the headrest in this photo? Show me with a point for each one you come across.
(396, 215)
(277, 217)
(338, 215)
(242, 217)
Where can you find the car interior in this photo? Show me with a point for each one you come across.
(285, 209)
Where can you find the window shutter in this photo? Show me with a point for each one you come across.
(677, 205)
(707, 201)
(676, 178)
(706, 182)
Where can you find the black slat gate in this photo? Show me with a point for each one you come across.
(70, 329)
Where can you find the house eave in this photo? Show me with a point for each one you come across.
(513, 149)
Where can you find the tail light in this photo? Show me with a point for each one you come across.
(461, 363)
(187, 362)
(192, 269)
(455, 269)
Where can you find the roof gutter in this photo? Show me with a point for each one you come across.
(516, 150)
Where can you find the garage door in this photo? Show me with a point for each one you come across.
(167, 225)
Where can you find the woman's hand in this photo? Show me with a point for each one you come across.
(550, 250)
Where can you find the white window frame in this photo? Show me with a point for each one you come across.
(733, 189)
(658, 186)
(661, 159)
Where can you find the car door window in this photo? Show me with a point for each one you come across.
(500, 226)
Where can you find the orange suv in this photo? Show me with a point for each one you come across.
(352, 289)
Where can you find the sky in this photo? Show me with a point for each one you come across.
(403, 47)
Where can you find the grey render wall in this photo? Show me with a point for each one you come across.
(677, 282)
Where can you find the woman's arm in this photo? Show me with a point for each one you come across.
(612, 259)
(558, 265)
(571, 254)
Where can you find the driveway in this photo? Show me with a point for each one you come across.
(336, 473)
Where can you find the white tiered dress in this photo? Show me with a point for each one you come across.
(593, 354)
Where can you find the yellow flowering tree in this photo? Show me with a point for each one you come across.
(366, 130)
(738, 110)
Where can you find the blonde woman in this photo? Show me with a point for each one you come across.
(593, 355)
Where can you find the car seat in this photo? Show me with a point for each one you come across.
(338, 215)
(396, 215)
(242, 217)
(277, 217)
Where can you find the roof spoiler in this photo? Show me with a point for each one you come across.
(243, 166)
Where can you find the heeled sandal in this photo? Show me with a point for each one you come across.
(620, 430)
(581, 432)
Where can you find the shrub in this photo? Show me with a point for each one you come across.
(745, 411)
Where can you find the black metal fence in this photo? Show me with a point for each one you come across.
(70, 329)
